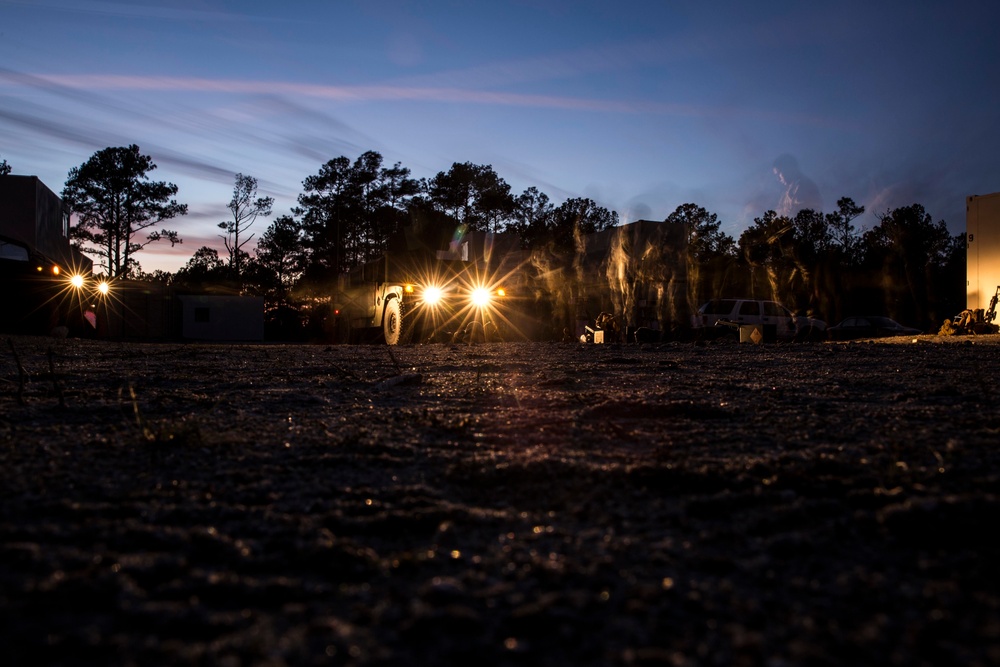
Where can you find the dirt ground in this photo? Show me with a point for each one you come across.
(500, 504)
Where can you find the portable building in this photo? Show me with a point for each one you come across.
(982, 229)
(212, 317)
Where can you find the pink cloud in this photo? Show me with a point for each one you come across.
(363, 93)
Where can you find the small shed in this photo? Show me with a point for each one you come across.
(222, 318)
(138, 310)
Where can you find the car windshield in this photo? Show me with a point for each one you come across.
(884, 322)
(719, 307)
(15, 252)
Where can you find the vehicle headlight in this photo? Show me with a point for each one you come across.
(432, 295)
(76, 280)
(103, 287)
(480, 297)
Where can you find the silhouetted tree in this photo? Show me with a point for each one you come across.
(399, 187)
(4, 168)
(705, 239)
(279, 251)
(114, 201)
(474, 195)
(906, 247)
(259, 280)
(383, 195)
(578, 216)
(532, 216)
(366, 234)
(950, 280)
(324, 212)
(245, 207)
(205, 266)
(812, 236)
(397, 190)
(429, 225)
(711, 253)
(829, 257)
(768, 248)
(156, 276)
(845, 236)
(348, 211)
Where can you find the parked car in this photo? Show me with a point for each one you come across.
(869, 326)
(778, 322)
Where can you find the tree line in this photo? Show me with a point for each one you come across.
(907, 265)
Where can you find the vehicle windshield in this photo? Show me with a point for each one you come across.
(14, 252)
(719, 307)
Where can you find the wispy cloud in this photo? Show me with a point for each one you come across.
(389, 93)
(214, 125)
(371, 93)
(132, 10)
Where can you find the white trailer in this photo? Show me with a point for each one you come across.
(982, 233)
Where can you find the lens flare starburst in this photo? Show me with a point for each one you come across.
(481, 297)
(458, 300)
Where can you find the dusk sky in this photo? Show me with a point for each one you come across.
(639, 105)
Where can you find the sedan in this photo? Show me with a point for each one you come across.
(869, 326)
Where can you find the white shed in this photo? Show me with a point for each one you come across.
(982, 233)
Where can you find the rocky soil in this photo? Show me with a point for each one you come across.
(500, 504)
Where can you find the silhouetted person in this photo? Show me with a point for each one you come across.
(800, 192)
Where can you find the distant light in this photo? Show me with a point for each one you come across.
(55, 270)
(501, 292)
(76, 281)
(409, 289)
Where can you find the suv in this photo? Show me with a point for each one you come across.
(777, 321)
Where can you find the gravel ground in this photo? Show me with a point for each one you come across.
(500, 504)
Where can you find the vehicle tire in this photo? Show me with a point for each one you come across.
(411, 329)
(392, 322)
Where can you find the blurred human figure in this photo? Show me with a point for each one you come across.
(800, 192)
